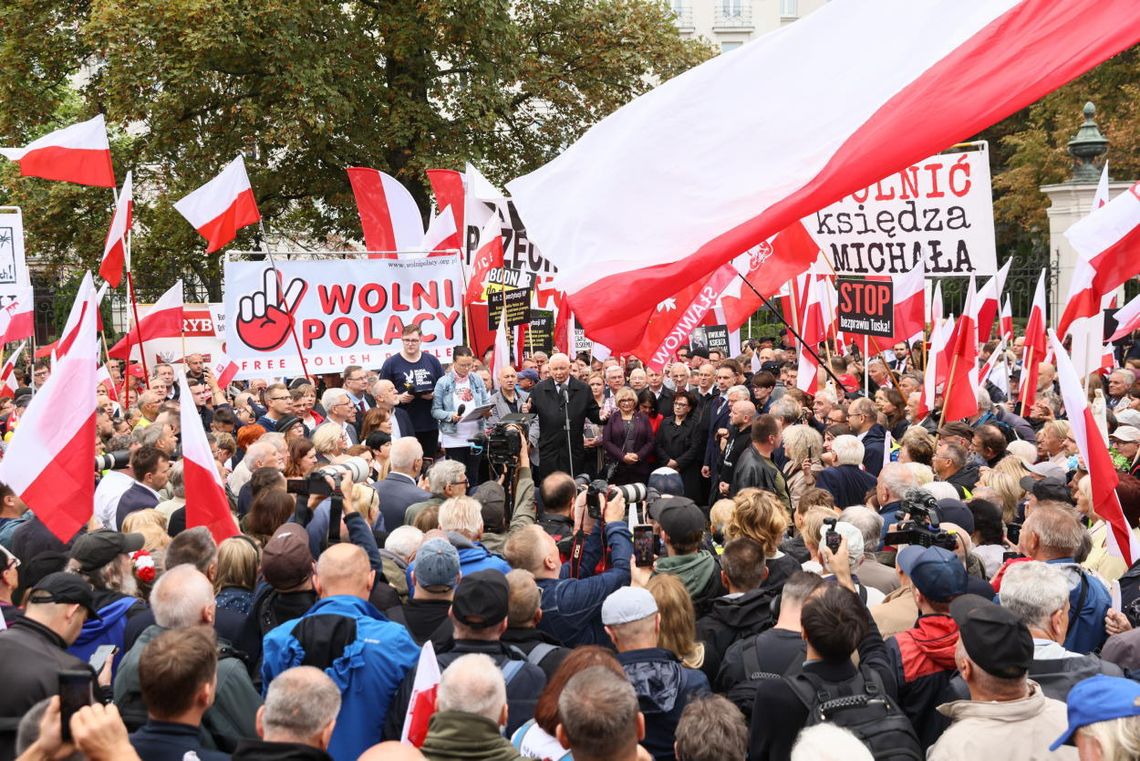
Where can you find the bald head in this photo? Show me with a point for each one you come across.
(182, 597)
(392, 751)
(343, 569)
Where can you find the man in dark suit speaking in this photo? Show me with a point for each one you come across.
(561, 404)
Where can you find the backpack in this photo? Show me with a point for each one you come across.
(861, 706)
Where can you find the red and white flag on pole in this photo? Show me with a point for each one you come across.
(222, 206)
(607, 211)
(937, 369)
(989, 298)
(1094, 451)
(80, 153)
(960, 399)
(1127, 319)
(49, 459)
(1033, 351)
(488, 255)
(1005, 319)
(115, 247)
(439, 232)
(1100, 198)
(206, 503)
(17, 320)
(81, 304)
(163, 320)
(1107, 359)
(910, 305)
(8, 381)
(502, 355)
(447, 186)
(224, 368)
(388, 214)
(812, 330)
(1107, 243)
(421, 704)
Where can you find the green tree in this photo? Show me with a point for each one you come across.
(306, 88)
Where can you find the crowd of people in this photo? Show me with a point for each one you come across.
(785, 577)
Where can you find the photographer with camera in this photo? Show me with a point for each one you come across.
(571, 607)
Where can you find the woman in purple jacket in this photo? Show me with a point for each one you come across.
(628, 441)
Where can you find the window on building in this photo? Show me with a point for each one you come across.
(732, 8)
(727, 46)
(678, 6)
(789, 9)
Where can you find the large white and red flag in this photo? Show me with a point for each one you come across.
(1107, 243)
(421, 705)
(1127, 319)
(488, 256)
(80, 153)
(388, 213)
(910, 305)
(440, 232)
(960, 397)
(1094, 451)
(163, 320)
(115, 247)
(49, 460)
(222, 206)
(8, 380)
(85, 296)
(17, 320)
(1033, 351)
(608, 212)
(989, 298)
(937, 368)
(447, 186)
(206, 503)
(1005, 318)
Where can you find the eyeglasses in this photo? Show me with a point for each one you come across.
(280, 398)
(464, 482)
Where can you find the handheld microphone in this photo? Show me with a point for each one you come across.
(459, 411)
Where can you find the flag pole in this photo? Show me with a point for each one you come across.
(779, 316)
(280, 283)
(1025, 373)
(134, 306)
(946, 391)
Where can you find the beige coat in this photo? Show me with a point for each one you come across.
(1018, 730)
(897, 613)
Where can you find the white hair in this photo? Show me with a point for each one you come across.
(940, 490)
(404, 541)
(180, 596)
(827, 395)
(462, 515)
(299, 704)
(897, 478)
(848, 450)
(869, 523)
(326, 437)
(827, 742)
(332, 397)
(1026, 451)
(276, 439)
(445, 473)
(405, 451)
(1033, 592)
(682, 365)
(740, 392)
(258, 450)
(923, 475)
(473, 684)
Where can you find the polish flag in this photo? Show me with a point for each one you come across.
(8, 381)
(1005, 319)
(488, 256)
(937, 368)
(388, 213)
(1107, 243)
(910, 305)
(502, 355)
(812, 330)
(960, 399)
(447, 185)
(439, 232)
(608, 212)
(206, 503)
(1094, 451)
(16, 318)
(83, 300)
(80, 153)
(1107, 360)
(480, 199)
(1100, 198)
(49, 459)
(1127, 319)
(778, 258)
(1033, 352)
(936, 309)
(115, 248)
(990, 299)
(224, 368)
(163, 320)
(421, 704)
(995, 370)
(563, 326)
(222, 206)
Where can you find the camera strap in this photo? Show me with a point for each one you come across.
(336, 509)
(576, 552)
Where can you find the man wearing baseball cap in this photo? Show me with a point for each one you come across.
(287, 567)
(924, 654)
(1126, 439)
(103, 557)
(683, 526)
(435, 576)
(1103, 712)
(663, 686)
(1007, 713)
(34, 649)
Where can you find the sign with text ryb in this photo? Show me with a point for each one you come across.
(866, 307)
(343, 312)
(938, 212)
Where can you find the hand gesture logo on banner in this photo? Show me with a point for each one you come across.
(265, 317)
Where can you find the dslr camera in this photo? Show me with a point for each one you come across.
(315, 483)
(599, 492)
(919, 523)
(112, 460)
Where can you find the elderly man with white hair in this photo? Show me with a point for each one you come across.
(870, 571)
(895, 480)
(338, 405)
(561, 405)
(846, 481)
(400, 488)
(446, 479)
(462, 518)
(471, 712)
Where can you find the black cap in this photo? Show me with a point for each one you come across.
(481, 599)
(287, 422)
(680, 518)
(957, 512)
(994, 638)
(65, 588)
(1050, 489)
(98, 548)
(957, 428)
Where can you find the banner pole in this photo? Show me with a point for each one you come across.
(866, 365)
(1025, 373)
(946, 391)
(280, 283)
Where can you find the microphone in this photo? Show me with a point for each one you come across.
(459, 411)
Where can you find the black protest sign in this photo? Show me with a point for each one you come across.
(710, 337)
(510, 290)
(866, 307)
(540, 333)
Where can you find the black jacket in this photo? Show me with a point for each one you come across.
(752, 469)
(847, 483)
(965, 479)
(526, 640)
(33, 655)
(260, 750)
(873, 443)
(167, 741)
(778, 651)
(680, 443)
(428, 619)
(551, 413)
(664, 687)
(731, 619)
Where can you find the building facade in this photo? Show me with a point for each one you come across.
(728, 24)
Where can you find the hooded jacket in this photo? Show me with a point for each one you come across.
(1017, 730)
(473, 557)
(700, 573)
(924, 665)
(466, 737)
(965, 480)
(731, 619)
(664, 687)
(109, 628)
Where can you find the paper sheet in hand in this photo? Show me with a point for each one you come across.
(476, 413)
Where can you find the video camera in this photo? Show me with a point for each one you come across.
(112, 460)
(506, 439)
(922, 529)
(599, 491)
(315, 483)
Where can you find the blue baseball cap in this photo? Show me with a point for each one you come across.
(1099, 698)
(530, 375)
(437, 565)
(936, 572)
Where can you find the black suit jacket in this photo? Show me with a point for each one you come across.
(551, 414)
(136, 498)
(403, 421)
